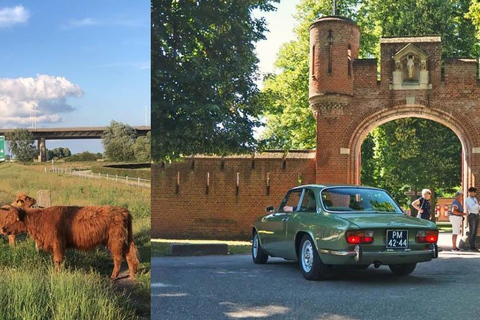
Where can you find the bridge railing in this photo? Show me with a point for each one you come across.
(88, 174)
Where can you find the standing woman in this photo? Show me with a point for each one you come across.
(422, 204)
(456, 218)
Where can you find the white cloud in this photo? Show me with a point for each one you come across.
(13, 15)
(78, 23)
(118, 20)
(46, 94)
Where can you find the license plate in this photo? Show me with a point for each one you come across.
(397, 239)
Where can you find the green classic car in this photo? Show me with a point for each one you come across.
(322, 226)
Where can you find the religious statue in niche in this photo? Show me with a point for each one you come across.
(410, 66)
(410, 70)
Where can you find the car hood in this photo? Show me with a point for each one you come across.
(384, 220)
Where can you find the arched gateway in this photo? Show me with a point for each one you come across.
(219, 197)
(348, 98)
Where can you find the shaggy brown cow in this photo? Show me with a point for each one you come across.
(22, 201)
(56, 229)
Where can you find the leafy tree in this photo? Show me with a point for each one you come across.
(60, 153)
(204, 96)
(118, 141)
(142, 148)
(21, 144)
(412, 153)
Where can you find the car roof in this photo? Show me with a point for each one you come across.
(323, 186)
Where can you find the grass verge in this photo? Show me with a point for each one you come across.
(160, 247)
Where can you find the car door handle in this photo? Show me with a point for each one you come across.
(285, 219)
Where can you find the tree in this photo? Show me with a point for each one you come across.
(412, 153)
(21, 144)
(204, 96)
(142, 148)
(118, 141)
(60, 153)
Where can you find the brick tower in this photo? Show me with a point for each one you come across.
(334, 45)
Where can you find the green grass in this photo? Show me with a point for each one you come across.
(160, 247)
(30, 287)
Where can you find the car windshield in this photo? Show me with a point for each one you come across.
(352, 199)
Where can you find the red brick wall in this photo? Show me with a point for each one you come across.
(222, 213)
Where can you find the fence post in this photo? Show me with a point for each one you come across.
(107, 176)
(126, 179)
(138, 181)
(116, 177)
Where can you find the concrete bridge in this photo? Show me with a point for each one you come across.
(43, 134)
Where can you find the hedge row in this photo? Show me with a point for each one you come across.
(134, 173)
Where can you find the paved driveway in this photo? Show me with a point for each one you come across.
(232, 287)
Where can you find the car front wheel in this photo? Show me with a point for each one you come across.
(309, 260)
(258, 255)
(402, 269)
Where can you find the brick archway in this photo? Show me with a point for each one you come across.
(458, 126)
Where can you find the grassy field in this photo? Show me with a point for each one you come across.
(160, 247)
(31, 289)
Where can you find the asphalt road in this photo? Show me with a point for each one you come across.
(233, 287)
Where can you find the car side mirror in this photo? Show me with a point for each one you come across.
(270, 209)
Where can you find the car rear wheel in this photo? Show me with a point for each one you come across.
(402, 269)
(310, 262)
(258, 255)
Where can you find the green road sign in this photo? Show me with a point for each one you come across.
(2, 148)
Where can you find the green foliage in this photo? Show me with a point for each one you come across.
(204, 97)
(21, 144)
(446, 18)
(411, 153)
(132, 173)
(142, 148)
(118, 141)
(83, 156)
(474, 15)
(58, 153)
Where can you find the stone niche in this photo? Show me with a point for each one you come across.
(411, 69)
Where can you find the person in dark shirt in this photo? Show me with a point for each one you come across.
(422, 204)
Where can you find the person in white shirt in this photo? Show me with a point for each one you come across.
(473, 209)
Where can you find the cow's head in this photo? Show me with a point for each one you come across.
(24, 201)
(12, 220)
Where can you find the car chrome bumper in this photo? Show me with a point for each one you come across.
(360, 255)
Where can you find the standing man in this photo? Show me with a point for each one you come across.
(472, 209)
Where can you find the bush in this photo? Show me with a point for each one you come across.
(84, 156)
(134, 173)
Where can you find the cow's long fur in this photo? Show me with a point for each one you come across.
(56, 229)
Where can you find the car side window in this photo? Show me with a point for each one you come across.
(291, 201)
(309, 203)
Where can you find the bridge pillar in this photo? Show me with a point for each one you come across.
(42, 156)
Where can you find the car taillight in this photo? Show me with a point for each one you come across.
(427, 236)
(356, 237)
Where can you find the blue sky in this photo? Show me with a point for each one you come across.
(280, 24)
(77, 63)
